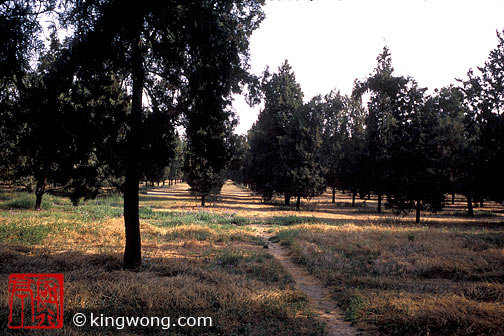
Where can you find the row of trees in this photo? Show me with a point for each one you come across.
(103, 105)
(406, 146)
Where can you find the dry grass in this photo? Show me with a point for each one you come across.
(408, 280)
(204, 269)
(243, 202)
(444, 277)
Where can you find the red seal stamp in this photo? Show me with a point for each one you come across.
(35, 301)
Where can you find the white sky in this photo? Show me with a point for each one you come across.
(329, 43)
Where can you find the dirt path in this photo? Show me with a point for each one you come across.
(240, 201)
(319, 296)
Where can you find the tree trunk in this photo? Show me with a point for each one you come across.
(482, 203)
(298, 203)
(453, 198)
(369, 196)
(39, 191)
(379, 202)
(334, 194)
(353, 199)
(418, 208)
(287, 198)
(133, 248)
(203, 200)
(470, 210)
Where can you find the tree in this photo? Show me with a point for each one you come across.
(183, 43)
(158, 145)
(66, 126)
(383, 105)
(219, 59)
(237, 164)
(333, 135)
(416, 178)
(351, 170)
(268, 168)
(402, 141)
(459, 151)
(301, 146)
(19, 41)
(174, 171)
(20, 38)
(485, 98)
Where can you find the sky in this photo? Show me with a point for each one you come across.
(330, 43)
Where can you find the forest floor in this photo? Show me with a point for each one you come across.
(327, 263)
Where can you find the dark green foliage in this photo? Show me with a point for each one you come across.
(236, 168)
(485, 96)
(403, 141)
(384, 105)
(301, 152)
(285, 141)
(456, 139)
(175, 169)
(267, 170)
(217, 56)
(18, 42)
(158, 145)
(416, 178)
(84, 120)
(67, 126)
(334, 134)
(343, 144)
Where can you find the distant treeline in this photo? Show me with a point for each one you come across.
(389, 137)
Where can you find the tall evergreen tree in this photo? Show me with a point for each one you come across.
(415, 166)
(268, 169)
(351, 170)
(300, 155)
(334, 134)
(66, 126)
(199, 47)
(19, 42)
(485, 96)
(237, 164)
(386, 90)
(458, 136)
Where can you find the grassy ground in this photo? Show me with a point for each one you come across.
(196, 263)
(443, 277)
(408, 280)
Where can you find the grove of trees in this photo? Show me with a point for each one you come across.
(390, 138)
(104, 106)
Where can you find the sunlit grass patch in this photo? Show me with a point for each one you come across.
(216, 234)
(34, 227)
(57, 220)
(170, 219)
